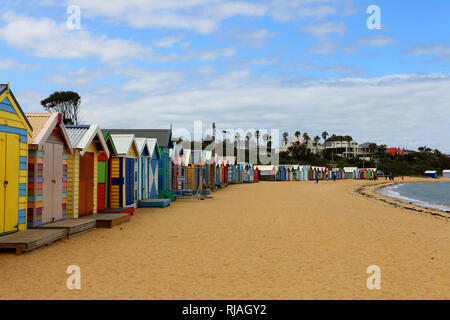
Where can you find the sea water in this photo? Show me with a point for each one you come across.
(430, 195)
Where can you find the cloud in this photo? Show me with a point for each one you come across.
(341, 69)
(287, 10)
(202, 16)
(404, 109)
(45, 38)
(440, 51)
(376, 41)
(253, 38)
(324, 29)
(166, 42)
(10, 64)
(322, 32)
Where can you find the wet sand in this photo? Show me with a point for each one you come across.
(284, 240)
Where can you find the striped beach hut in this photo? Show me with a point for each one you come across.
(48, 154)
(82, 174)
(15, 132)
(124, 174)
(104, 173)
(143, 169)
(155, 157)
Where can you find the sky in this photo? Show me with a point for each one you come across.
(306, 65)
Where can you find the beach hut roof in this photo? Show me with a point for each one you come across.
(107, 137)
(5, 87)
(141, 144)
(431, 171)
(153, 146)
(446, 171)
(43, 125)
(164, 136)
(81, 136)
(350, 169)
(124, 143)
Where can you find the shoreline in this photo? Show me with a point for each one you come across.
(372, 191)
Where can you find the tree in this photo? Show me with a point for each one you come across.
(285, 137)
(324, 136)
(297, 134)
(65, 102)
(306, 138)
(316, 140)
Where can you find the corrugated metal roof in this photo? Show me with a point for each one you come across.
(164, 136)
(76, 134)
(2, 87)
(123, 142)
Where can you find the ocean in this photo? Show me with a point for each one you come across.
(430, 195)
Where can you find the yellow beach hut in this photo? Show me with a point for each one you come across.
(124, 175)
(48, 154)
(15, 132)
(82, 174)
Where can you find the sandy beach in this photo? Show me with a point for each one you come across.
(284, 240)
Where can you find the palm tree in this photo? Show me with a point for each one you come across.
(306, 138)
(316, 140)
(285, 137)
(297, 134)
(325, 135)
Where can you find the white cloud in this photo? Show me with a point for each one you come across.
(166, 42)
(404, 110)
(45, 38)
(376, 41)
(440, 51)
(321, 30)
(202, 16)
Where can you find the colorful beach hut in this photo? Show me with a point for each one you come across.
(155, 157)
(124, 173)
(48, 154)
(15, 132)
(104, 174)
(143, 169)
(82, 174)
(431, 174)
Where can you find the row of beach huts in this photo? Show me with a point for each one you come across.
(51, 172)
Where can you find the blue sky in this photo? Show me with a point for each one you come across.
(308, 65)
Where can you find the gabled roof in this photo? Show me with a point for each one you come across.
(124, 142)
(152, 145)
(164, 136)
(142, 145)
(43, 125)
(107, 137)
(5, 87)
(81, 136)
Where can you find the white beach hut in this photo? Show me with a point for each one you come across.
(446, 173)
(350, 172)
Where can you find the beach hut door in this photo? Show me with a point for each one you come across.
(86, 199)
(52, 183)
(9, 181)
(129, 181)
